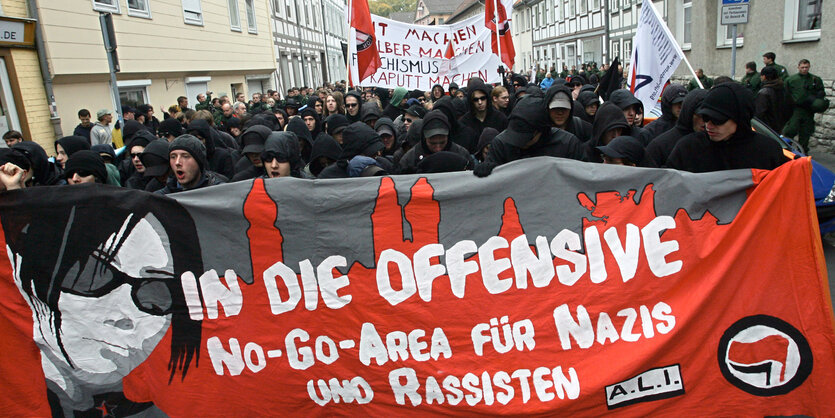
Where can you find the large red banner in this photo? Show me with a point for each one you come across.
(633, 310)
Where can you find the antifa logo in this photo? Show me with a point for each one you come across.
(764, 356)
(364, 41)
(644, 79)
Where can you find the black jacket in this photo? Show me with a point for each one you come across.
(458, 132)
(580, 128)
(207, 179)
(698, 154)
(558, 143)
(659, 149)
(492, 119)
(410, 160)
(220, 160)
(608, 117)
(773, 105)
(667, 119)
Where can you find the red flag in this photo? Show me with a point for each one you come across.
(450, 51)
(495, 19)
(368, 58)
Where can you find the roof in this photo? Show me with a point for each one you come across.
(463, 8)
(442, 6)
(405, 17)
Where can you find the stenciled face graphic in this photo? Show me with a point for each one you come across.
(114, 307)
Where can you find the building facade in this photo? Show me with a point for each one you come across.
(568, 33)
(308, 36)
(522, 36)
(165, 50)
(435, 12)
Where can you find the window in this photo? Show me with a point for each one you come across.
(684, 31)
(111, 6)
(616, 49)
(583, 6)
(290, 12)
(192, 12)
(234, 16)
(133, 92)
(139, 8)
(595, 4)
(250, 17)
(627, 50)
(802, 20)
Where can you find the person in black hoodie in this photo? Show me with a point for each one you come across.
(458, 133)
(411, 139)
(589, 102)
(528, 134)
(67, 146)
(250, 165)
(773, 104)
(298, 127)
(385, 127)
(558, 106)
(671, 103)
(728, 141)
(325, 152)
(434, 137)
(437, 93)
(630, 106)
(44, 172)
(481, 112)
(608, 124)
(353, 103)
(335, 124)
(312, 120)
(281, 155)
(369, 113)
(360, 143)
(220, 160)
(484, 142)
(688, 122)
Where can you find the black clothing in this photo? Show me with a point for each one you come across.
(557, 143)
(667, 120)
(410, 160)
(285, 147)
(83, 131)
(660, 148)
(298, 127)
(207, 179)
(580, 128)
(323, 146)
(45, 172)
(358, 96)
(137, 181)
(773, 105)
(395, 145)
(608, 117)
(492, 118)
(698, 154)
(585, 99)
(219, 159)
(458, 132)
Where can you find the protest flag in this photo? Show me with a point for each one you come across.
(655, 57)
(610, 81)
(495, 19)
(368, 58)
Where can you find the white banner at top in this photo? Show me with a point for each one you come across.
(418, 56)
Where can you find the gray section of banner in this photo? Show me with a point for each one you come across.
(320, 218)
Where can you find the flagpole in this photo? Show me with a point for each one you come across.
(678, 47)
(498, 39)
(348, 56)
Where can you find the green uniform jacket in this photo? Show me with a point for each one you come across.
(707, 82)
(205, 105)
(805, 89)
(780, 70)
(753, 82)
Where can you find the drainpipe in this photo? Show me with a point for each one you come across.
(325, 64)
(45, 74)
(606, 58)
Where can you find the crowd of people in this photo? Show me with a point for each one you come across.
(333, 132)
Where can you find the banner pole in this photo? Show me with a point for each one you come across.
(348, 55)
(678, 47)
(498, 39)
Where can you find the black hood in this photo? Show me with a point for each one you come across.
(253, 138)
(286, 146)
(587, 97)
(130, 128)
(461, 106)
(370, 110)
(297, 126)
(672, 92)
(446, 106)
(732, 100)
(431, 116)
(609, 116)
(359, 139)
(388, 122)
(688, 109)
(203, 130)
(309, 111)
(623, 98)
(486, 138)
(284, 118)
(72, 144)
(477, 84)
(414, 134)
(45, 173)
(358, 96)
(323, 146)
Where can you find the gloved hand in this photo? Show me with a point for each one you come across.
(484, 169)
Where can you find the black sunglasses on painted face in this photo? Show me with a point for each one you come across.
(715, 121)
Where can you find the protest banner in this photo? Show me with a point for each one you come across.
(587, 289)
(655, 57)
(415, 56)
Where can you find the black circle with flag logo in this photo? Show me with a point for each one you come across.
(764, 356)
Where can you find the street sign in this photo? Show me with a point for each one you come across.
(734, 14)
(734, 2)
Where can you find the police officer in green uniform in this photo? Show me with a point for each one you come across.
(804, 88)
(751, 80)
(707, 82)
(768, 60)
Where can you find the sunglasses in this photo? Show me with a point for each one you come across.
(81, 173)
(479, 99)
(152, 295)
(268, 156)
(351, 105)
(135, 154)
(715, 121)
